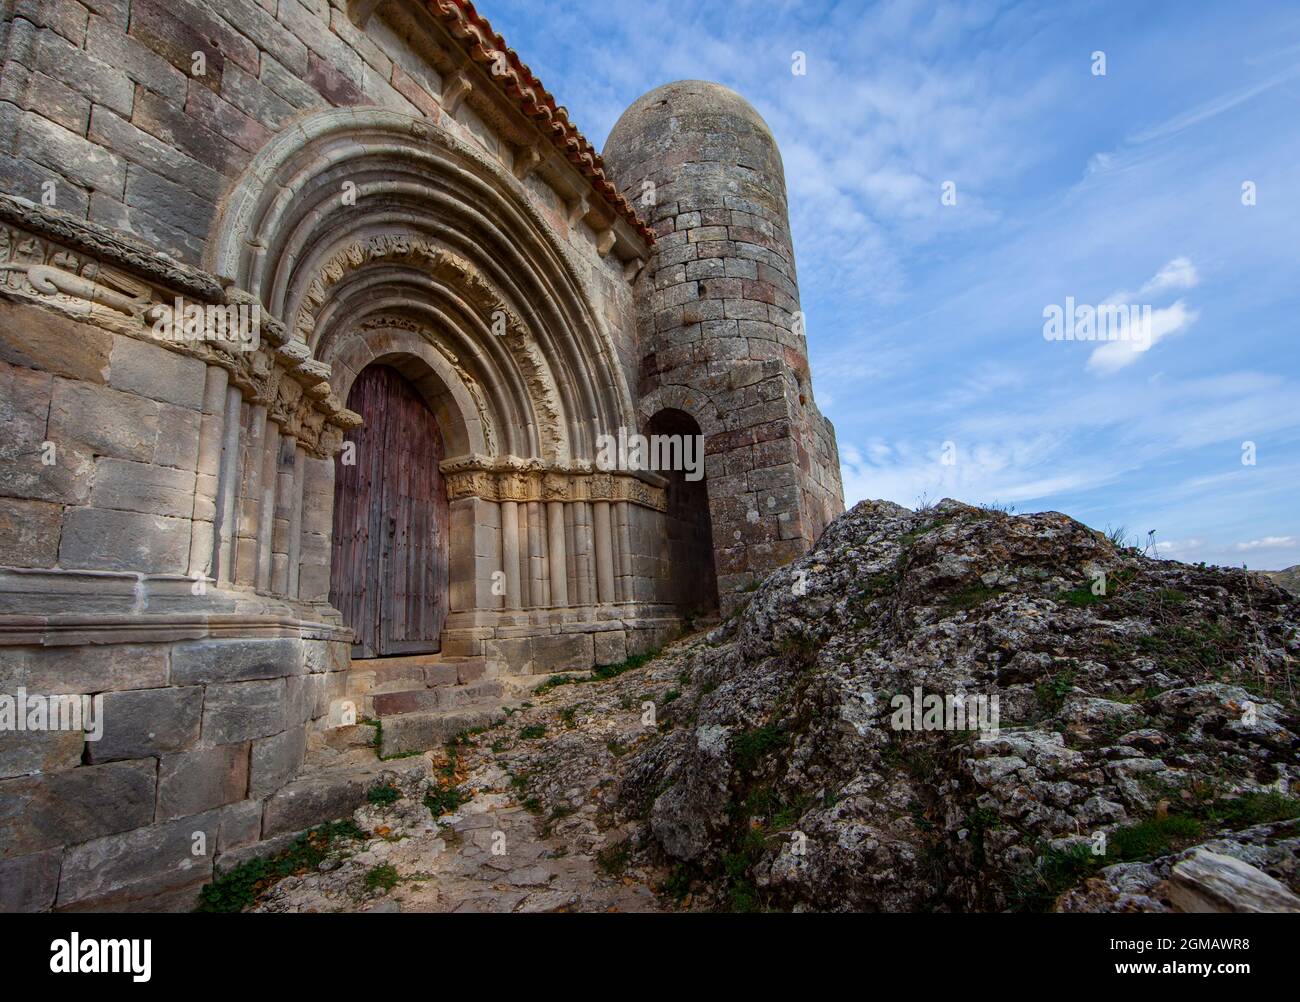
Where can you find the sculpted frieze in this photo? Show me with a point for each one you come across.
(36, 269)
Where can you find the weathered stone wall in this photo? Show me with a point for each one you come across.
(720, 328)
(102, 100)
(110, 480)
(200, 736)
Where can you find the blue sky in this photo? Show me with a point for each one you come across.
(925, 321)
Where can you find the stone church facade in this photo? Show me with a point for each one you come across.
(456, 296)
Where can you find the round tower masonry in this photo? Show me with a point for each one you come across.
(719, 321)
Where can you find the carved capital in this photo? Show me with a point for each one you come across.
(511, 478)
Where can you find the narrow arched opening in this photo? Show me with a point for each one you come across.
(691, 580)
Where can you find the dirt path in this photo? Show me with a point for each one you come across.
(537, 833)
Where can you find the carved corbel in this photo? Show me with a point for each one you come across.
(527, 160)
(578, 209)
(455, 90)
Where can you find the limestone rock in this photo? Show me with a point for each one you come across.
(1210, 882)
(1146, 719)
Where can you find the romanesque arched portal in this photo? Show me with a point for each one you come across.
(381, 240)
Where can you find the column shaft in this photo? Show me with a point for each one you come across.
(295, 520)
(557, 551)
(228, 487)
(266, 505)
(510, 552)
(203, 540)
(604, 553)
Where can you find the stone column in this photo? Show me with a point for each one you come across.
(284, 503)
(317, 529)
(555, 543)
(510, 552)
(539, 595)
(571, 557)
(582, 555)
(250, 503)
(604, 553)
(266, 505)
(203, 555)
(295, 519)
(624, 550)
(488, 556)
(228, 487)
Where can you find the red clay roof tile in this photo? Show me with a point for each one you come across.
(475, 35)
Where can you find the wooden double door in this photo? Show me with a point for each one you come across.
(389, 569)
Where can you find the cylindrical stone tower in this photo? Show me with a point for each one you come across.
(720, 329)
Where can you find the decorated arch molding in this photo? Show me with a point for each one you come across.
(438, 295)
(456, 402)
(355, 224)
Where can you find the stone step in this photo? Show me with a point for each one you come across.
(417, 732)
(375, 677)
(443, 697)
(360, 735)
(425, 670)
(466, 670)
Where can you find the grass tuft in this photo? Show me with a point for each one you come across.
(241, 886)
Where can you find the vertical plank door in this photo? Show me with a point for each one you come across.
(389, 575)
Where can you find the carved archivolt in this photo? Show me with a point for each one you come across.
(453, 269)
(472, 386)
(401, 248)
(511, 478)
(49, 271)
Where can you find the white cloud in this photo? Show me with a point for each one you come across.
(1115, 355)
(1269, 543)
(1178, 273)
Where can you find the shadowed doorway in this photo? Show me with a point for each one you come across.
(692, 578)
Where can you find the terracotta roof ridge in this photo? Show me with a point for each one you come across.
(475, 35)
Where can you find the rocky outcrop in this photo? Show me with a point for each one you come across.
(1288, 578)
(1085, 717)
